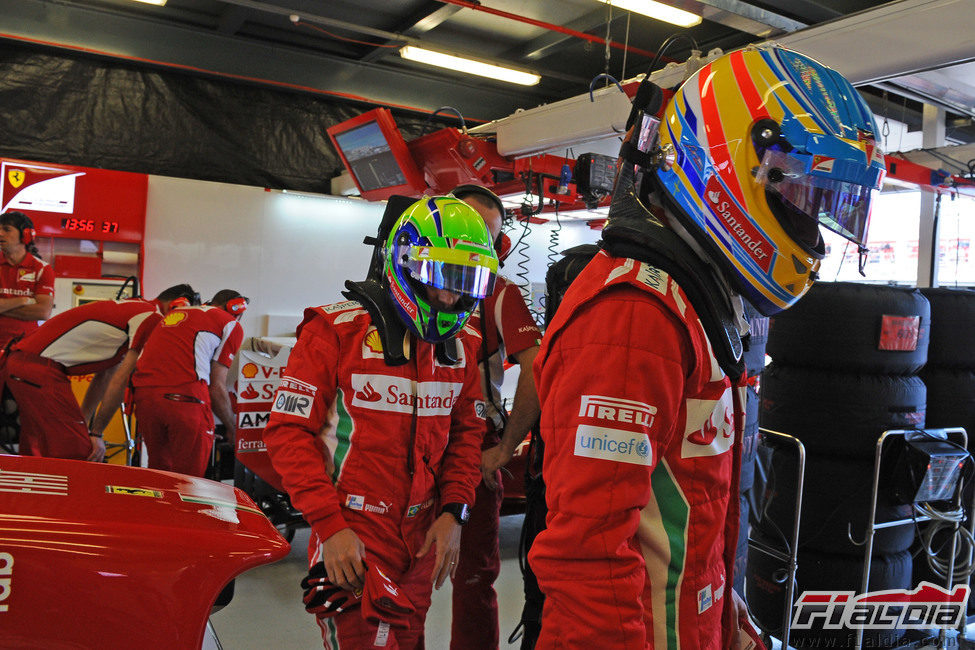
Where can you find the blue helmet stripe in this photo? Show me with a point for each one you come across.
(435, 212)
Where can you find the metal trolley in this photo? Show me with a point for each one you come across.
(774, 440)
(873, 525)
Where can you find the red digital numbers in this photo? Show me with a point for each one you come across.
(88, 225)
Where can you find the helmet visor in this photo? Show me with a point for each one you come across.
(464, 272)
(841, 206)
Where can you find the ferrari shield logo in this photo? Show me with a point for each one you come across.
(16, 177)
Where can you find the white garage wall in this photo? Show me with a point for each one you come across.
(285, 251)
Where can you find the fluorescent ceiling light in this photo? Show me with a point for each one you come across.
(658, 10)
(469, 66)
(153, 2)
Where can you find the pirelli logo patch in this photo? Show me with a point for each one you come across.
(615, 409)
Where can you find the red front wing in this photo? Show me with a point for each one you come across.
(107, 556)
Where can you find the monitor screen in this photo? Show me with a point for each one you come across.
(370, 159)
(375, 154)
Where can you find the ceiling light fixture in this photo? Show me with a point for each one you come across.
(469, 66)
(657, 10)
(153, 2)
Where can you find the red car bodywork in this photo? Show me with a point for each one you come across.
(107, 556)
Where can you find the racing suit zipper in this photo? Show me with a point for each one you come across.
(410, 461)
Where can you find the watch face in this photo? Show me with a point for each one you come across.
(460, 511)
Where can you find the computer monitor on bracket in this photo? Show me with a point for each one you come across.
(374, 152)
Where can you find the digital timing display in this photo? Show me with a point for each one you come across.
(89, 225)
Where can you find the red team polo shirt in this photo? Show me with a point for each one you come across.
(185, 343)
(507, 314)
(94, 336)
(31, 278)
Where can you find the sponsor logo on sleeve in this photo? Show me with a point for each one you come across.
(397, 394)
(616, 445)
(710, 429)
(298, 386)
(293, 402)
(615, 409)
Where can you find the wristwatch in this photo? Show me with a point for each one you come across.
(460, 511)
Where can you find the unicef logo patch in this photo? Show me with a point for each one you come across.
(643, 449)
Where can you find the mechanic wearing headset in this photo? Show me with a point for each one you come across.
(90, 338)
(508, 332)
(640, 375)
(26, 282)
(375, 429)
(180, 381)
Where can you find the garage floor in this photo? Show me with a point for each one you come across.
(266, 611)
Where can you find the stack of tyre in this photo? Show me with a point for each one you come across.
(754, 357)
(844, 369)
(950, 379)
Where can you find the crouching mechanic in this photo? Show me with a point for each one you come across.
(374, 427)
(91, 338)
(640, 374)
(180, 381)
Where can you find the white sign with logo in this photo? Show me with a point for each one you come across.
(396, 394)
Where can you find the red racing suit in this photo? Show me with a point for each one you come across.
(507, 329)
(172, 379)
(376, 448)
(86, 339)
(642, 435)
(32, 277)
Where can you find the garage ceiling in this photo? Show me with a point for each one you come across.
(349, 48)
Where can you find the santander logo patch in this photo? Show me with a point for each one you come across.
(709, 430)
(368, 394)
(398, 394)
(737, 224)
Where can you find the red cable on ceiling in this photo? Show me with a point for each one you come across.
(552, 27)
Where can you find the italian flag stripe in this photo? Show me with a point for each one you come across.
(343, 435)
(665, 520)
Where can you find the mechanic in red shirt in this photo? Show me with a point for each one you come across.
(641, 376)
(91, 338)
(508, 332)
(180, 381)
(375, 429)
(26, 281)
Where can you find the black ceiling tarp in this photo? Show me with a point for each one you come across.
(61, 107)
